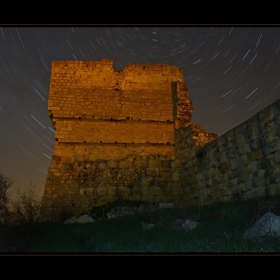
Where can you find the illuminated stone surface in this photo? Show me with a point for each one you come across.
(116, 134)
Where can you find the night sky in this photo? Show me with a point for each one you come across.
(232, 73)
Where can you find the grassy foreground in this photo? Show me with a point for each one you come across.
(220, 229)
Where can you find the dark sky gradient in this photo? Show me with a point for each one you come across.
(232, 73)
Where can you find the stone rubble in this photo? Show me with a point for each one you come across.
(121, 211)
(267, 225)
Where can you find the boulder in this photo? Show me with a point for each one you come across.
(189, 225)
(185, 224)
(146, 225)
(84, 219)
(266, 225)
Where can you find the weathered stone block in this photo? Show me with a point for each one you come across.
(158, 191)
(189, 164)
(89, 191)
(211, 172)
(142, 163)
(243, 160)
(212, 163)
(155, 163)
(268, 171)
(146, 190)
(101, 191)
(177, 191)
(125, 164)
(275, 129)
(221, 140)
(231, 153)
(147, 181)
(224, 166)
(229, 135)
(277, 157)
(259, 182)
(105, 200)
(231, 174)
(272, 147)
(101, 166)
(237, 189)
(175, 163)
(239, 139)
(247, 185)
(215, 180)
(240, 128)
(243, 149)
(112, 164)
(254, 193)
(243, 178)
(252, 166)
(149, 197)
(233, 164)
(135, 197)
(186, 190)
(161, 182)
(255, 155)
(265, 113)
(274, 177)
(241, 169)
(124, 192)
(112, 191)
(226, 192)
(224, 184)
(176, 176)
(269, 137)
(153, 171)
(166, 163)
(270, 159)
(165, 173)
(272, 189)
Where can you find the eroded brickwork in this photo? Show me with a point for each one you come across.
(116, 135)
(202, 136)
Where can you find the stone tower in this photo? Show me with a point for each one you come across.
(116, 136)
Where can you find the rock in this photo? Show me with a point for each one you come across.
(189, 224)
(84, 219)
(185, 224)
(146, 225)
(267, 225)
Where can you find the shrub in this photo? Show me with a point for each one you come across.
(26, 206)
(5, 184)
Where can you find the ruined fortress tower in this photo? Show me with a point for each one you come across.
(118, 135)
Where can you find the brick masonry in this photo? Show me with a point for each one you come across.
(115, 134)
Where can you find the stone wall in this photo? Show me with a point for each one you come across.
(128, 135)
(243, 163)
(116, 135)
(86, 184)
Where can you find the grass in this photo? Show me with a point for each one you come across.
(220, 229)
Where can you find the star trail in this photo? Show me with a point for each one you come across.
(232, 73)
